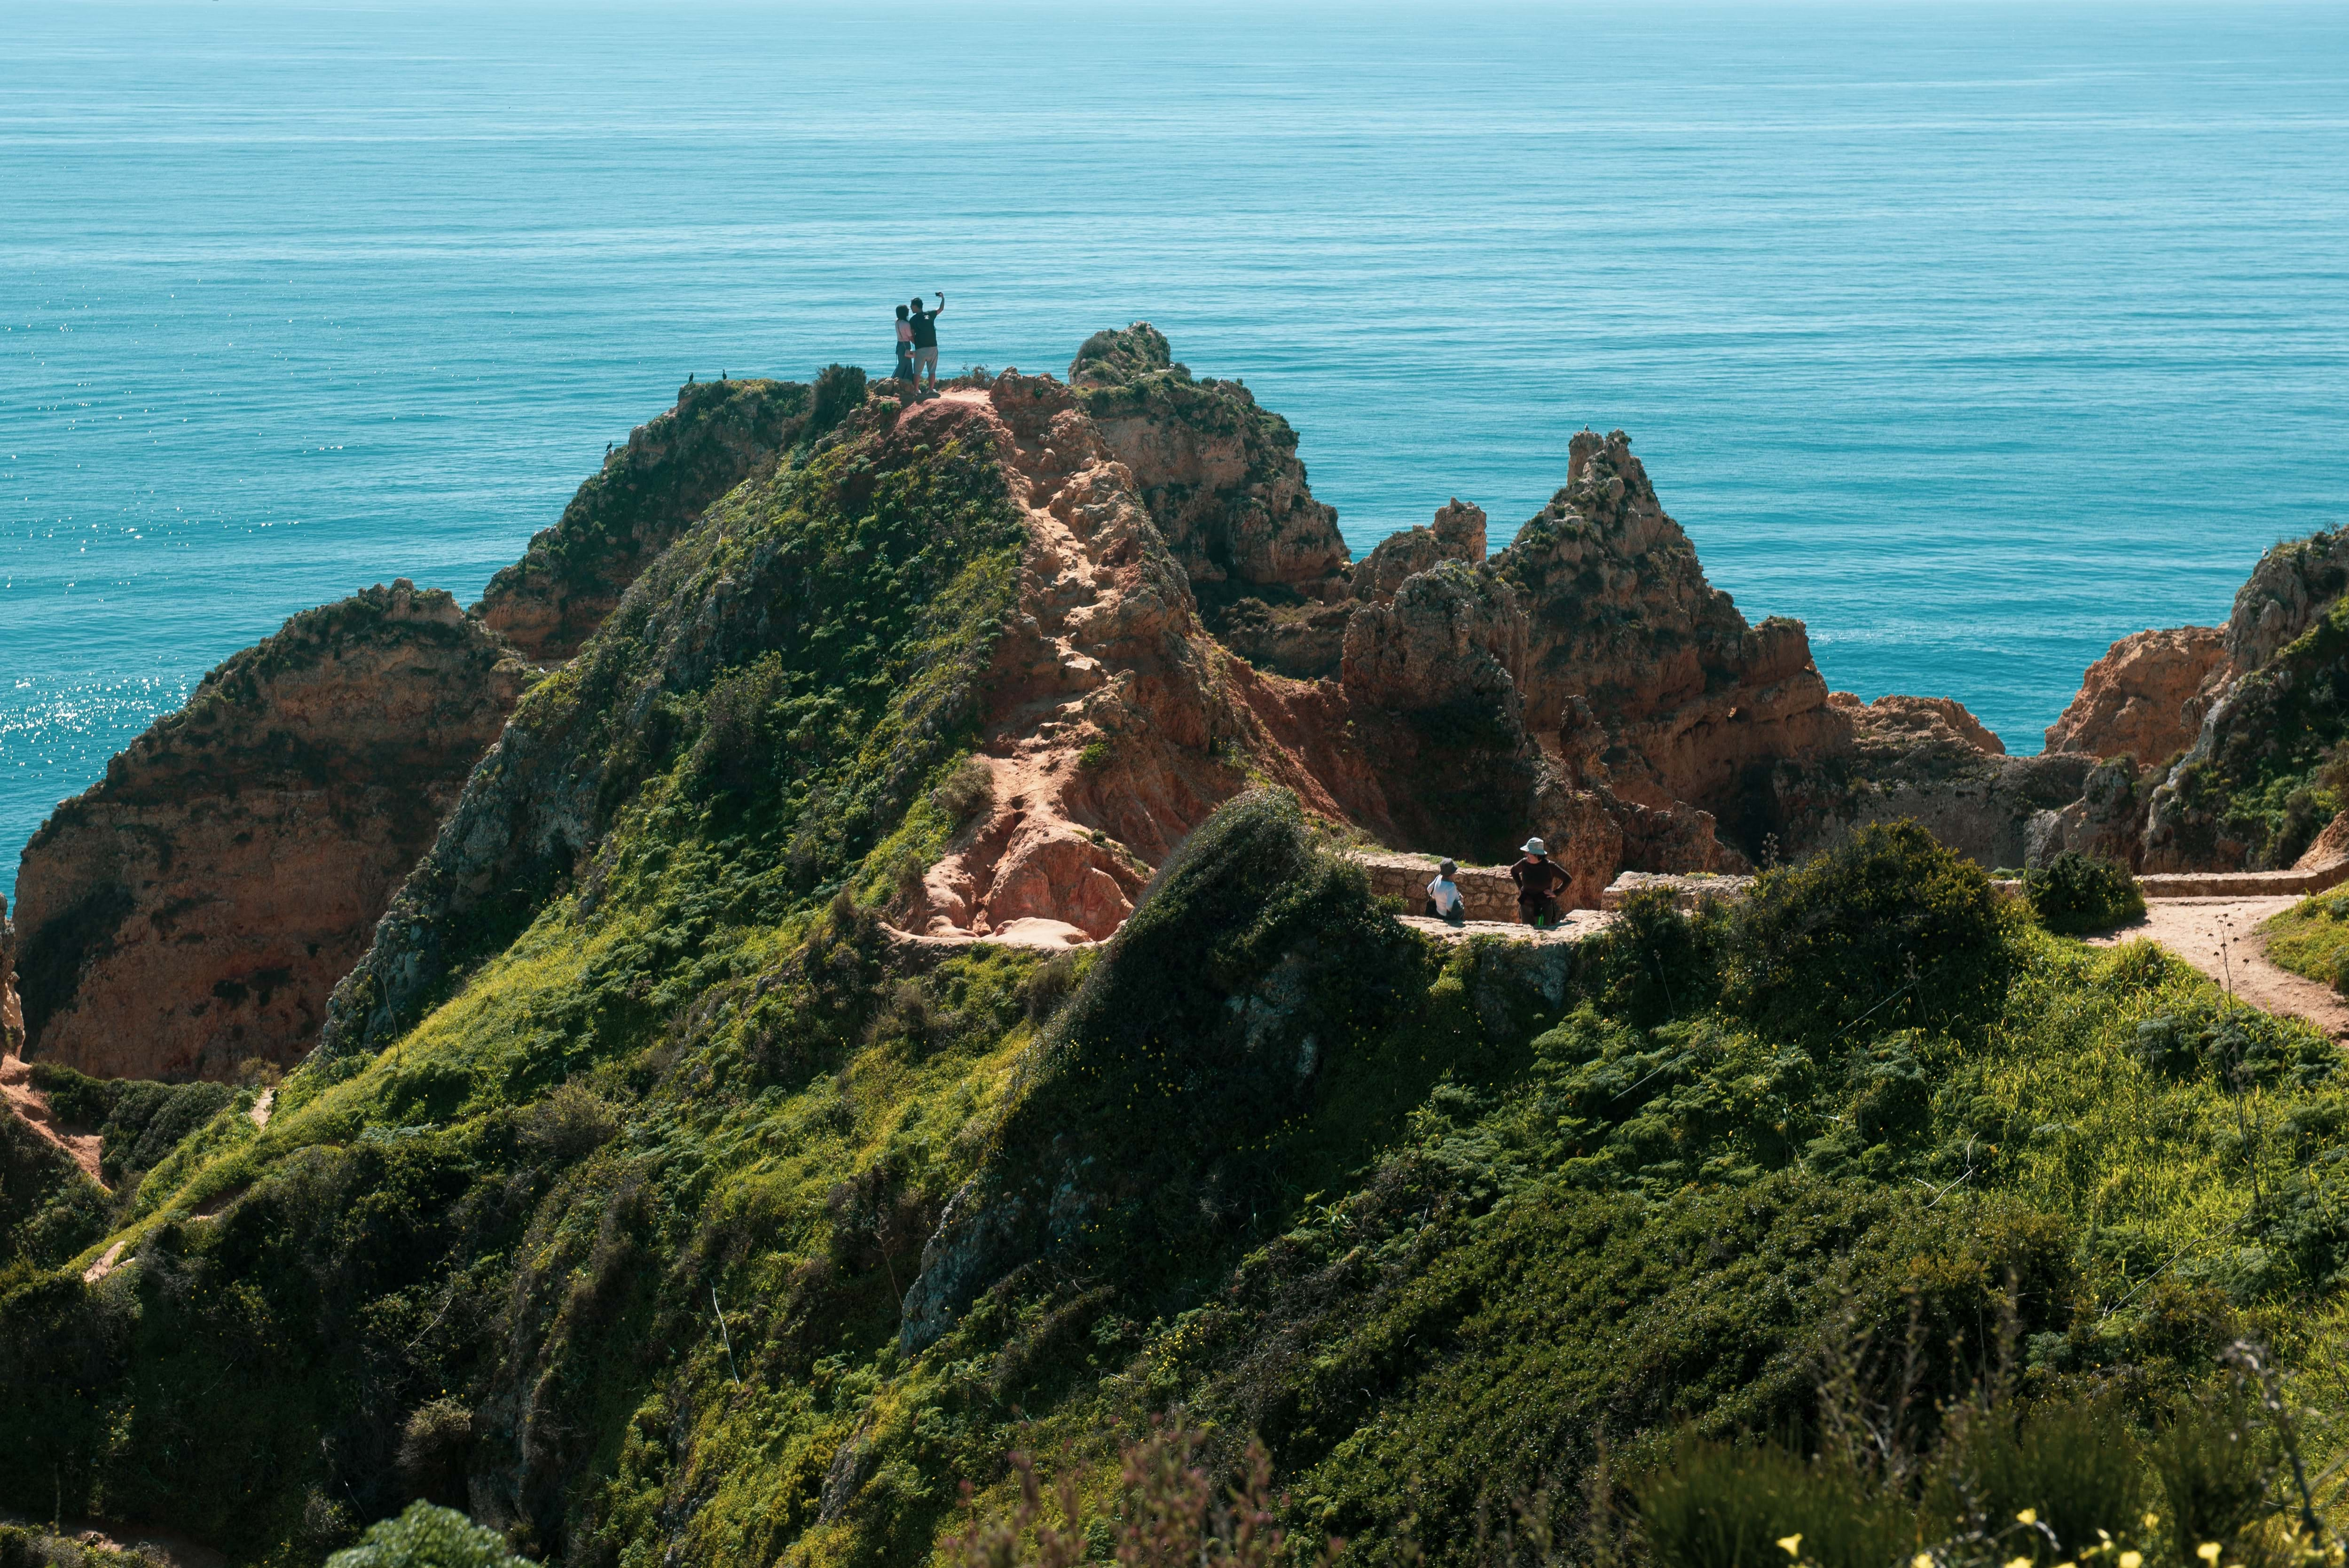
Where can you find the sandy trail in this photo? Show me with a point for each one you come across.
(33, 1107)
(2195, 929)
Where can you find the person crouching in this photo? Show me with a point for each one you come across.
(1443, 899)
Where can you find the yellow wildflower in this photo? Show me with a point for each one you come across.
(2208, 1551)
(2020, 1563)
(1792, 1543)
(2028, 1516)
(2132, 1560)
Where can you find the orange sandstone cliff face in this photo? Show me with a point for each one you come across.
(195, 908)
(2145, 698)
(1694, 702)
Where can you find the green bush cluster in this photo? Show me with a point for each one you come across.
(2209, 1479)
(139, 1122)
(1887, 929)
(2076, 892)
(425, 1536)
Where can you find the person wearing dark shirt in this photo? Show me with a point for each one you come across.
(1540, 882)
(905, 346)
(926, 338)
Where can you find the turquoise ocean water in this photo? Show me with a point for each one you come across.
(1976, 336)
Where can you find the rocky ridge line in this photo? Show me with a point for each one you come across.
(650, 491)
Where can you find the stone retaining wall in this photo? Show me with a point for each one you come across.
(1487, 890)
(1688, 889)
(2243, 884)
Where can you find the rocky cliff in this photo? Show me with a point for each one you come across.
(12, 1012)
(1221, 479)
(1694, 701)
(193, 910)
(650, 490)
(1927, 760)
(1109, 722)
(2231, 727)
(2144, 699)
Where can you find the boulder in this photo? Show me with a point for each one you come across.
(1451, 638)
(1458, 535)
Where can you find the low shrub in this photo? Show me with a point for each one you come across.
(2066, 1479)
(1740, 1506)
(138, 1121)
(964, 792)
(1889, 927)
(2076, 892)
(428, 1536)
(839, 389)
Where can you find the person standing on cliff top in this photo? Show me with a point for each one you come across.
(1540, 883)
(905, 346)
(925, 339)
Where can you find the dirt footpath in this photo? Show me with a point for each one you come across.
(2196, 928)
(33, 1106)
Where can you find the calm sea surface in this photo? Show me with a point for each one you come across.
(1974, 336)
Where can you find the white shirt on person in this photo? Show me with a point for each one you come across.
(1445, 893)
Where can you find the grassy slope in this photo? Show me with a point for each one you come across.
(2311, 937)
(1436, 1220)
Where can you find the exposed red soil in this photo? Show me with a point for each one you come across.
(32, 1106)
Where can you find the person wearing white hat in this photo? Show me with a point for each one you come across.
(1540, 882)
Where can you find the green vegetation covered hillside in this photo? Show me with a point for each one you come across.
(652, 1204)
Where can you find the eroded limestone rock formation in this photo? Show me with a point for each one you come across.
(1694, 700)
(1930, 760)
(1458, 534)
(1222, 480)
(2144, 699)
(1219, 474)
(2229, 726)
(193, 909)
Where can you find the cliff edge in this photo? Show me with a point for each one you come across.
(648, 492)
(193, 910)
